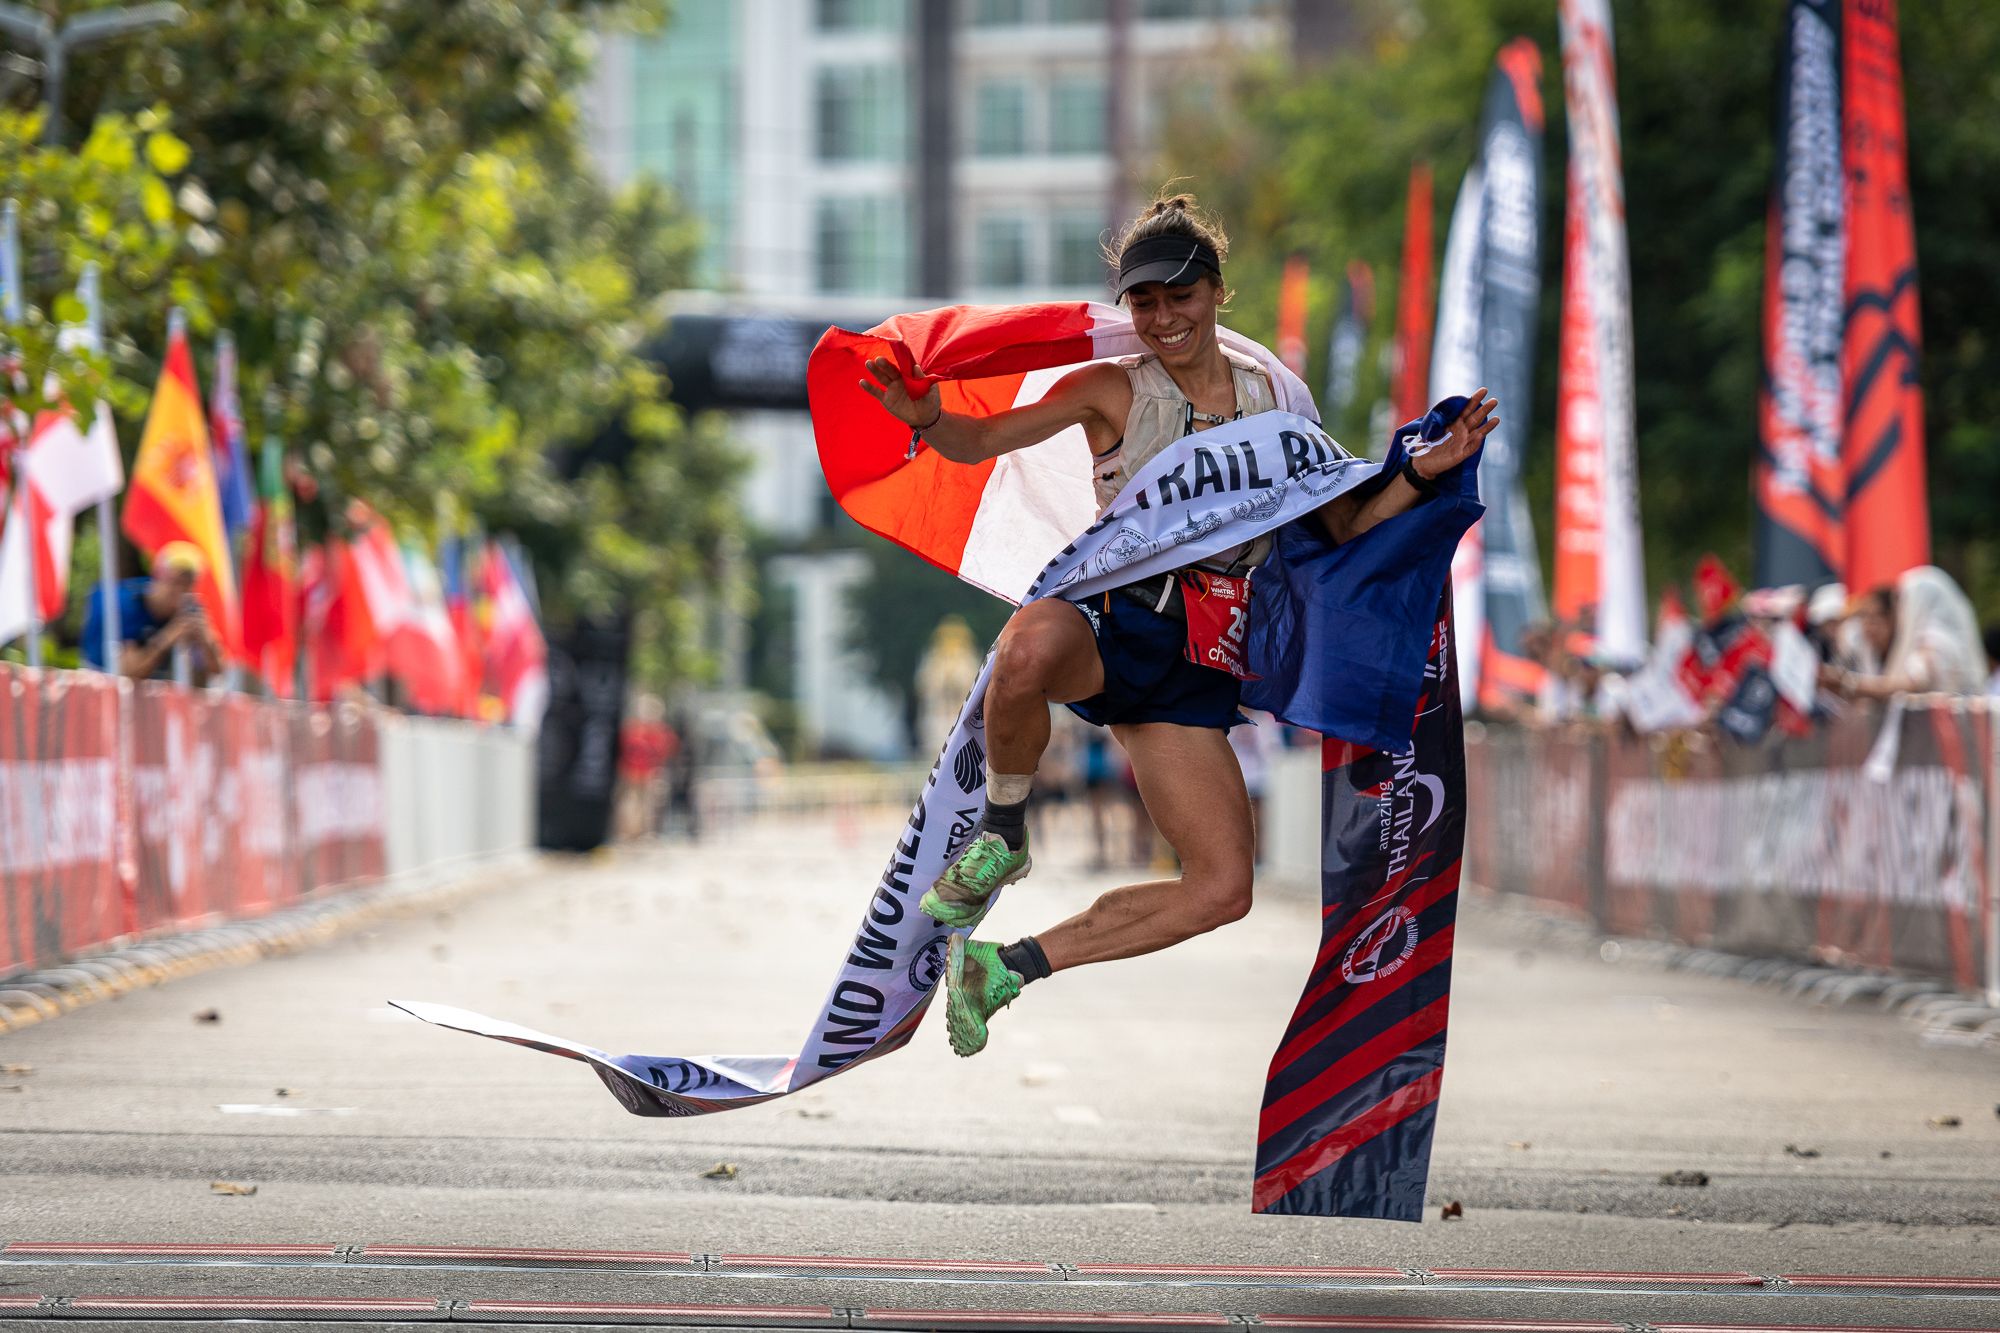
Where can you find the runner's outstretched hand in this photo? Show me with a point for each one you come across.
(1461, 441)
(889, 390)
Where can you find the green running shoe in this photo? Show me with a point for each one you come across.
(977, 985)
(965, 890)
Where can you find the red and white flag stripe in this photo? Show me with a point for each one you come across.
(994, 524)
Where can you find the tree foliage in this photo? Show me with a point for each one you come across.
(387, 202)
(1316, 160)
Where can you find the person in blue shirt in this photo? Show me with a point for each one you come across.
(155, 614)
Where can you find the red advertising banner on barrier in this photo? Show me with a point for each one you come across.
(235, 807)
(337, 795)
(59, 887)
(1865, 844)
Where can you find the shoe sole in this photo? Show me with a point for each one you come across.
(931, 904)
(965, 1028)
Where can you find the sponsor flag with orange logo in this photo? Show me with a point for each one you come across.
(173, 495)
(1600, 578)
(1412, 369)
(1293, 292)
(1888, 513)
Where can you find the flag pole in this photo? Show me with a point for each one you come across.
(183, 659)
(225, 351)
(11, 308)
(107, 523)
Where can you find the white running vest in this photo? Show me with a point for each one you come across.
(1159, 417)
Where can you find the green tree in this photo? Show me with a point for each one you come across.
(436, 301)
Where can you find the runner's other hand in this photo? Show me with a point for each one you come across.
(1462, 440)
(889, 390)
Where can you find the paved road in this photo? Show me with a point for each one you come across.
(1111, 1121)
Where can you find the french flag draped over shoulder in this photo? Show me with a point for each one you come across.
(1352, 641)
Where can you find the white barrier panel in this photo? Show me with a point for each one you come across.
(454, 791)
(1291, 833)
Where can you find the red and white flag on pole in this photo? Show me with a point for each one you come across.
(516, 653)
(61, 471)
(423, 648)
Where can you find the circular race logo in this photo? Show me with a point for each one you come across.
(928, 965)
(1382, 948)
(1125, 546)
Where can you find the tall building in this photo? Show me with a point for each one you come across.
(876, 155)
(791, 129)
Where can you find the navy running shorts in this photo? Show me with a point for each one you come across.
(1147, 676)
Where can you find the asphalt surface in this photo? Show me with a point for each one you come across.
(1113, 1119)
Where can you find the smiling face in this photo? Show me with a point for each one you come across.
(1177, 323)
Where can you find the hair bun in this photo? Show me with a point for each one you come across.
(1175, 214)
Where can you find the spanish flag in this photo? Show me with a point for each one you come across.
(172, 495)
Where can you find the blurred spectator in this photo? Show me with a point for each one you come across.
(1924, 632)
(683, 776)
(1059, 775)
(645, 744)
(945, 676)
(1102, 789)
(1253, 745)
(1837, 633)
(1993, 658)
(156, 614)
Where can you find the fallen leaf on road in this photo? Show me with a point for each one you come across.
(720, 1171)
(1794, 1150)
(812, 1112)
(231, 1188)
(1689, 1179)
(1886, 1154)
(1451, 1211)
(1945, 1122)
(209, 1016)
(1520, 1145)
(17, 1069)
(281, 1092)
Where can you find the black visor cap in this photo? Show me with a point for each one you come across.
(1173, 260)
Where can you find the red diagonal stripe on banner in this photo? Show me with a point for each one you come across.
(1427, 955)
(1425, 896)
(1364, 1059)
(1317, 1156)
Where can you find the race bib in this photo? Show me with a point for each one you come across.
(1218, 620)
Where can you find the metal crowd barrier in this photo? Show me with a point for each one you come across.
(1873, 843)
